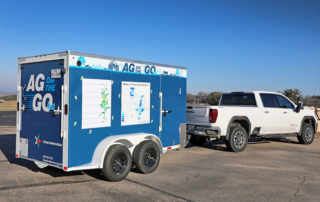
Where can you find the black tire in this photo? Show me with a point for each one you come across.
(238, 139)
(147, 156)
(197, 141)
(117, 163)
(307, 134)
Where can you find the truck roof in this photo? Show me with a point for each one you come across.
(251, 92)
(109, 58)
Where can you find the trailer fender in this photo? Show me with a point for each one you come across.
(128, 140)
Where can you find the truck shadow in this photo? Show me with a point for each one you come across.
(7, 147)
(221, 146)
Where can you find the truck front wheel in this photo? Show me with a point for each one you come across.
(307, 134)
(238, 139)
(117, 163)
(197, 141)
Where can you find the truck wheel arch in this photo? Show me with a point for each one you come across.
(130, 141)
(310, 120)
(239, 119)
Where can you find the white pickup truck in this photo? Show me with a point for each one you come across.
(244, 114)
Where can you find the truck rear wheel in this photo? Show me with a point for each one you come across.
(147, 156)
(197, 141)
(238, 139)
(307, 134)
(117, 163)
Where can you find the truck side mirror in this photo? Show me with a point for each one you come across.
(299, 107)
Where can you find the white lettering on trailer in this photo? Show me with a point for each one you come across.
(38, 106)
(41, 86)
(52, 143)
(45, 97)
(33, 84)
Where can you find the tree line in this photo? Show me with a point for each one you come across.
(213, 98)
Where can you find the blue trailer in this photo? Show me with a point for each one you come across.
(79, 111)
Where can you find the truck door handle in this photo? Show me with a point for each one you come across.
(284, 112)
(266, 111)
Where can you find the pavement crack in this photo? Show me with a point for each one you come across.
(159, 190)
(43, 184)
(304, 179)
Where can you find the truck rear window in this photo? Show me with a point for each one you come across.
(238, 99)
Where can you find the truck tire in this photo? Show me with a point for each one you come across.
(238, 139)
(147, 156)
(307, 134)
(197, 141)
(117, 163)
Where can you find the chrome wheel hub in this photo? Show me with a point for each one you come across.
(239, 139)
(308, 134)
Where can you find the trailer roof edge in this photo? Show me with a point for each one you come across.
(110, 58)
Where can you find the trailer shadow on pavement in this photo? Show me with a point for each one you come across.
(7, 147)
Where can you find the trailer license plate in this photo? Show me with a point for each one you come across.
(190, 127)
(55, 73)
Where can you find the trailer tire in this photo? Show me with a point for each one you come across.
(197, 141)
(117, 163)
(238, 139)
(147, 156)
(307, 134)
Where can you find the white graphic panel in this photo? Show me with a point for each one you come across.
(135, 103)
(96, 103)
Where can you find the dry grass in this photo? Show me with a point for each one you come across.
(318, 133)
(8, 106)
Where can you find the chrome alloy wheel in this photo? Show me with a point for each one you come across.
(239, 139)
(308, 134)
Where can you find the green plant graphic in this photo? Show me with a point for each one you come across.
(104, 103)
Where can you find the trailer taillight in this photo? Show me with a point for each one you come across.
(65, 109)
(18, 106)
(213, 115)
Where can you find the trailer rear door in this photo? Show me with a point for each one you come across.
(40, 120)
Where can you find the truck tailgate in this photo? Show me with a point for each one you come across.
(198, 115)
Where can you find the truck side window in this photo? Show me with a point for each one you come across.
(268, 100)
(284, 102)
(238, 99)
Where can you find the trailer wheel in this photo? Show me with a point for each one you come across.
(197, 141)
(307, 135)
(117, 163)
(238, 139)
(147, 156)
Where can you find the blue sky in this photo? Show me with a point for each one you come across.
(227, 45)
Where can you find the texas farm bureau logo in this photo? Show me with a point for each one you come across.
(41, 84)
(38, 141)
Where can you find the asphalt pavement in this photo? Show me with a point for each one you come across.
(268, 170)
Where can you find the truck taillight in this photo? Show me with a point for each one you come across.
(213, 115)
